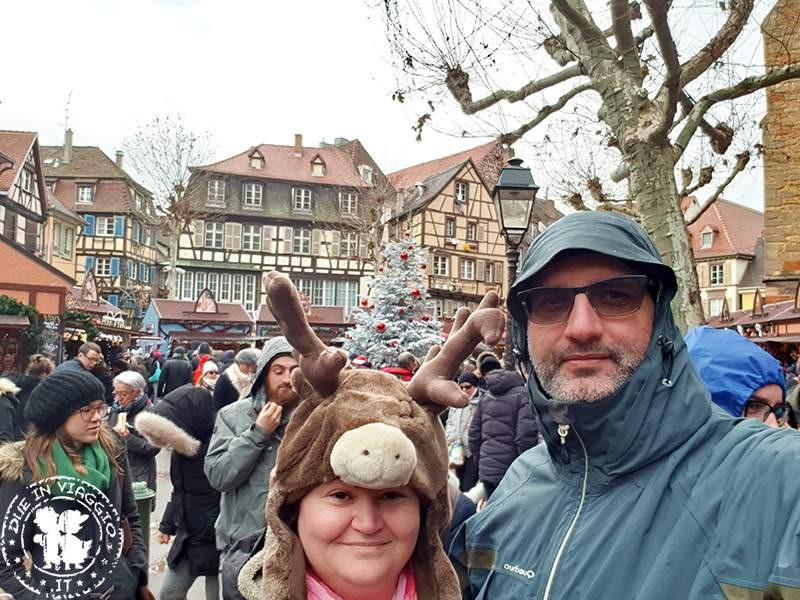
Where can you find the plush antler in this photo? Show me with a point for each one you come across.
(321, 365)
(433, 383)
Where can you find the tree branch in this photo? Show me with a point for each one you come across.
(743, 88)
(623, 34)
(694, 67)
(590, 32)
(668, 95)
(457, 82)
(741, 162)
(720, 137)
(546, 111)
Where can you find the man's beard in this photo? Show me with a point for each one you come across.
(587, 385)
(281, 394)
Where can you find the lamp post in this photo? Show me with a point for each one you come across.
(513, 197)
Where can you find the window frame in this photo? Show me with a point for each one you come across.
(440, 260)
(216, 232)
(472, 231)
(249, 195)
(716, 274)
(104, 260)
(249, 238)
(348, 200)
(462, 269)
(703, 244)
(348, 243)
(301, 240)
(215, 197)
(711, 311)
(81, 198)
(110, 228)
(461, 198)
(296, 193)
(450, 228)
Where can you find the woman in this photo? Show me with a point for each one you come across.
(456, 431)
(14, 397)
(130, 399)
(68, 438)
(234, 383)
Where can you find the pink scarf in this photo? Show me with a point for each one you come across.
(406, 587)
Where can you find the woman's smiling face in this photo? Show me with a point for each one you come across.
(358, 540)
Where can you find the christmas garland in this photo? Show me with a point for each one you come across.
(84, 321)
(32, 335)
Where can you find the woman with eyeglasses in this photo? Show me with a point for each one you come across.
(69, 440)
(742, 378)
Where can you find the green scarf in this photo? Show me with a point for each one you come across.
(94, 459)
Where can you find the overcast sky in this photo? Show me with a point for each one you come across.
(250, 72)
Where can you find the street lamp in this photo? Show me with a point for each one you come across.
(513, 197)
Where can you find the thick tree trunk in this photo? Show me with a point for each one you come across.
(653, 188)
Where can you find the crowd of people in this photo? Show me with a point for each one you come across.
(622, 460)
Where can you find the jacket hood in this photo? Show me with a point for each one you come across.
(183, 419)
(11, 461)
(277, 346)
(661, 405)
(8, 387)
(500, 381)
(731, 366)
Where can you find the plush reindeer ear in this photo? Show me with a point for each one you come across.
(432, 385)
(319, 364)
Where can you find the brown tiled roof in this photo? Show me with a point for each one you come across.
(736, 230)
(16, 145)
(407, 178)
(101, 307)
(281, 164)
(55, 205)
(182, 310)
(319, 315)
(86, 162)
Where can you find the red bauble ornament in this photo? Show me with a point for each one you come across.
(394, 343)
(401, 311)
(380, 326)
(423, 266)
(404, 255)
(410, 319)
(371, 306)
(425, 317)
(411, 246)
(380, 269)
(415, 292)
(364, 302)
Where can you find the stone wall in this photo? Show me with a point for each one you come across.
(781, 140)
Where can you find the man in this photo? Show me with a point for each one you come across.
(642, 489)
(245, 443)
(88, 357)
(407, 364)
(177, 371)
(234, 383)
(742, 378)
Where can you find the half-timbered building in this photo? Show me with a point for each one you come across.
(118, 238)
(446, 204)
(305, 211)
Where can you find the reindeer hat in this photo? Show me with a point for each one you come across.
(370, 430)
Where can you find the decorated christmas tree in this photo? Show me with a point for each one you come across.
(396, 317)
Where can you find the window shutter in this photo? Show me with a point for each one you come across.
(481, 235)
(268, 238)
(316, 239)
(88, 229)
(430, 263)
(233, 236)
(480, 270)
(152, 274)
(135, 231)
(113, 299)
(448, 308)
(498, 273)
(454, 271)
(336, 243)
(363, 245)
(115, 267)
(199, 233)
(286, 237)
(88, 263)
(119, 225)
(143, 274)
(129, 268)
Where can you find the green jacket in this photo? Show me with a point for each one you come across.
(652, 493)
(240, 457)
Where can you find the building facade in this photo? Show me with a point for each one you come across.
(304, 211)
(117, 240)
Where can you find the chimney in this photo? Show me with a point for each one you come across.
(119, 158)
(67, 146)
(298, 144)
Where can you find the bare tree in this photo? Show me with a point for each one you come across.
(651, 97)
(161, 152)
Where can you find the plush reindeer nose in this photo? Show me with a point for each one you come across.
(374, 456)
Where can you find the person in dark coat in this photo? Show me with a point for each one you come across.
(203, 350)
(130, 399)
(11, 425)
(37, 369)
(503, 426)
(177, 371)
(234, 383)
(184, 421)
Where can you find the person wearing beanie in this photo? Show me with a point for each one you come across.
(227, 360)
(68, 437)
(184, 420)
(177, 371)
(234, 383)
(245, 443)
(456, 432)
(359, 498)
(488, 362)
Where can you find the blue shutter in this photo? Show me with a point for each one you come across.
(89, 263)
(152, 274)
(115, 267)
(143, 271)
(88, 229)
(135, 227)
(129, 268)
(113, 299)
(119, 225)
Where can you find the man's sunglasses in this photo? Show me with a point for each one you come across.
(609, 298)
(757, 409)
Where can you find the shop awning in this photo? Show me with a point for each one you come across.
(14, 321)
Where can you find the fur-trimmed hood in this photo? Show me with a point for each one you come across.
(182, 420)
(11, 461)
(163, 433)
(8, 387)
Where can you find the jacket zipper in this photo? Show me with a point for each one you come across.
(563, 431)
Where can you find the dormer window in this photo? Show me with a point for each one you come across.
(253, 194)
(216, 192)
(317, 166)
(365, 172)
(256, 159)
(706, 238)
